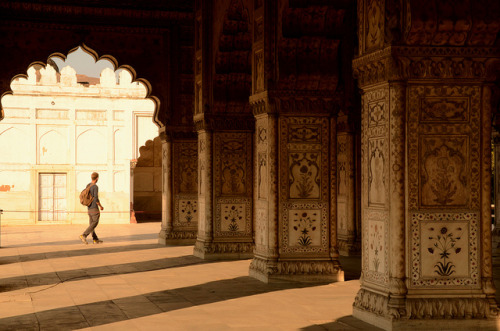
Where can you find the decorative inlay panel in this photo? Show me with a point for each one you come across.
(186, 211)
(375, 178)
(444, 250)
(261, 229)
(305, 228)
(233, 175)
(185, 184)
(259, 70)
(305, 180)
(376, 240)
(444, 150)
(443, 171)
(377, 182)
(304, 211)
(444, 156)
(375, 253)
(233, 217)
(376, 113)
(304, 134)
(439, 109)
(374, 24)
(185, 167)
(261, 185)
(262, 175)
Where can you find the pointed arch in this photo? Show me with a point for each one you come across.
(14, 145)
(53, 147)
(96, 57)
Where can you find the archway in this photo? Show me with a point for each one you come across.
(73, 125)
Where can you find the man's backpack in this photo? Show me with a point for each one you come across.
(85, 197)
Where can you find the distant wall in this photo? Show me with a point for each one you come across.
(53, 125)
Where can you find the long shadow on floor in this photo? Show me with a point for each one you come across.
(54, 278)
(110, 311)
(132, 237)
(343, 323)
(77, 252)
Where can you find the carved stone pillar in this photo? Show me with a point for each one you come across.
(295, 135)
(295, 237)
(347, 227)
(166, 198)
(180, 193)
(225, 195)
(496, 153)
(225, 128)
(133, 164)
(426, 167)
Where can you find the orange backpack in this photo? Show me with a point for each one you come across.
(85, 197)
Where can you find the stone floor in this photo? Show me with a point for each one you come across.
(49, 280)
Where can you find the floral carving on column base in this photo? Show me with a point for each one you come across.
(222, 250)
(419, 309)
(182, 234)
(267, 270)
(377, 304)
(450, 308)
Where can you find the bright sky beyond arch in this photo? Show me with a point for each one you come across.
(83, 63)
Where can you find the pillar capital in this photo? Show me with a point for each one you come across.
(224, 122)
(404, 63)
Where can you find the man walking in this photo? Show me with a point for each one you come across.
(93, 210)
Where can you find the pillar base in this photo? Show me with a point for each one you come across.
(177, 238)
(268, 271)
(426, 313)
(425, 324)
(223, 250)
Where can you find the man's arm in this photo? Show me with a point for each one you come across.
(97, 198)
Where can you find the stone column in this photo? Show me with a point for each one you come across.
(180, 194)
(295, 144)
(166, 199)
(426, 169)
(225, 128)
(133, 164)
(295, 236)
(496, 153)
(347, 230)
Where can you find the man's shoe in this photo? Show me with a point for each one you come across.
(83, 239)
(98, 241)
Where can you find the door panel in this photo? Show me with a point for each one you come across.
(52, 197)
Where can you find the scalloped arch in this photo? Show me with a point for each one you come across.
(96, 58)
